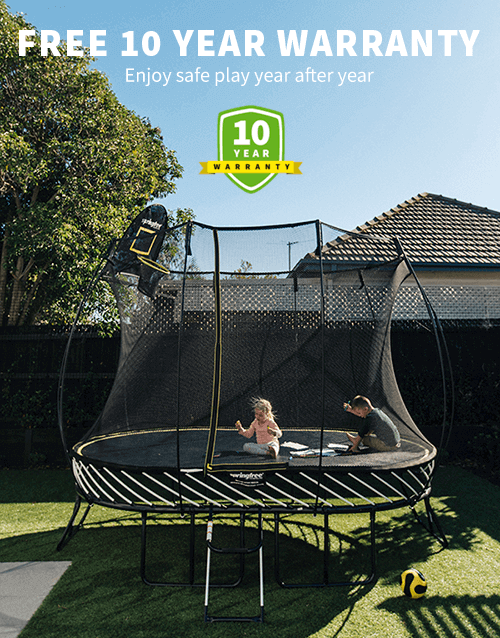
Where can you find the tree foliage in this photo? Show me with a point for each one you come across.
(245, 271)
(75, 167)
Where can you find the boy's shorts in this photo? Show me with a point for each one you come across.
(370, 440)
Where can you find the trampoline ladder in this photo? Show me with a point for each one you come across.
(242, 551)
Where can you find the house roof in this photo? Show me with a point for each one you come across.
(435, 231)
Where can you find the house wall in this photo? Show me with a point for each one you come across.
(455, 299)
(453, 295)
(458, 277)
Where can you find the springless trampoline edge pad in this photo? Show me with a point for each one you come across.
(159, 450)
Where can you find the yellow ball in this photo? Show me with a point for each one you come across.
(413, 583)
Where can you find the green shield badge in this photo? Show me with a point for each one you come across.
(251, 134)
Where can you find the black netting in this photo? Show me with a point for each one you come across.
(237, 313)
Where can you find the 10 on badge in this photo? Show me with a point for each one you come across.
(251, 147)
(255, 134)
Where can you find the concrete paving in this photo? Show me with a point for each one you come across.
(23, 586)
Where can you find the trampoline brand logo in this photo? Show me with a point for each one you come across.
(251, 148)
(248, 478)
(152, 224)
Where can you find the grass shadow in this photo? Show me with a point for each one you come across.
(470, 503)
(448, 616)
(102, 593)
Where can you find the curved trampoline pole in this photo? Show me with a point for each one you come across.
(62, 372)
(433, 527)
(71, 530)
(441, 346)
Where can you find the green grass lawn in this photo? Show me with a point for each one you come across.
(102, 596)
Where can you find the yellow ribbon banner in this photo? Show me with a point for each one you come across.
(250, 166)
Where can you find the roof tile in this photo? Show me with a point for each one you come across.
(432, 229)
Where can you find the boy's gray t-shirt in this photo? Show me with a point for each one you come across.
(378, 423)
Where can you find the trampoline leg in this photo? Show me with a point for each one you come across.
(434, 523)
(373, 550)
(152, 583)
(433, 527)
(71, 529)
(326, 549)
(326, 555)
(191, 581)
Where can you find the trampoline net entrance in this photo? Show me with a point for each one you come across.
(212, 317)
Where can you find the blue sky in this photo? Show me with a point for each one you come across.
(422, 123)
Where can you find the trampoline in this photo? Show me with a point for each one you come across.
(212, 317)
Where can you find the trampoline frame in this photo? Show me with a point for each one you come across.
(316, 492)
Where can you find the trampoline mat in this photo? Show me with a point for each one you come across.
(157, 449)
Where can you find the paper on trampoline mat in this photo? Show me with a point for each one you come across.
(301, 446)
(315, 452)
(341, 447)
(293, 445)
(304, 450)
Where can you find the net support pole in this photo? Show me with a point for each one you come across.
(187, 252)
(319, 240)
(214, 412)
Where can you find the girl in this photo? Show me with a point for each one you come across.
(265, 429)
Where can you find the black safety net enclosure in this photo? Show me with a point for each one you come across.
(211, 318)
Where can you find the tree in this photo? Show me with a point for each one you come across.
(245, 271)
(76, 167)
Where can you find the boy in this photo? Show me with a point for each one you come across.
(377, 430)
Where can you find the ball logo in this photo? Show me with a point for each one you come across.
(251, 147)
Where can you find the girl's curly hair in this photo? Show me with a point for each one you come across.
(264, 405)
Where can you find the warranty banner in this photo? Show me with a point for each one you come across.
(250, 167)
(251, 147)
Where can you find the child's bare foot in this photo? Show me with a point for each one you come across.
(271, 452)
